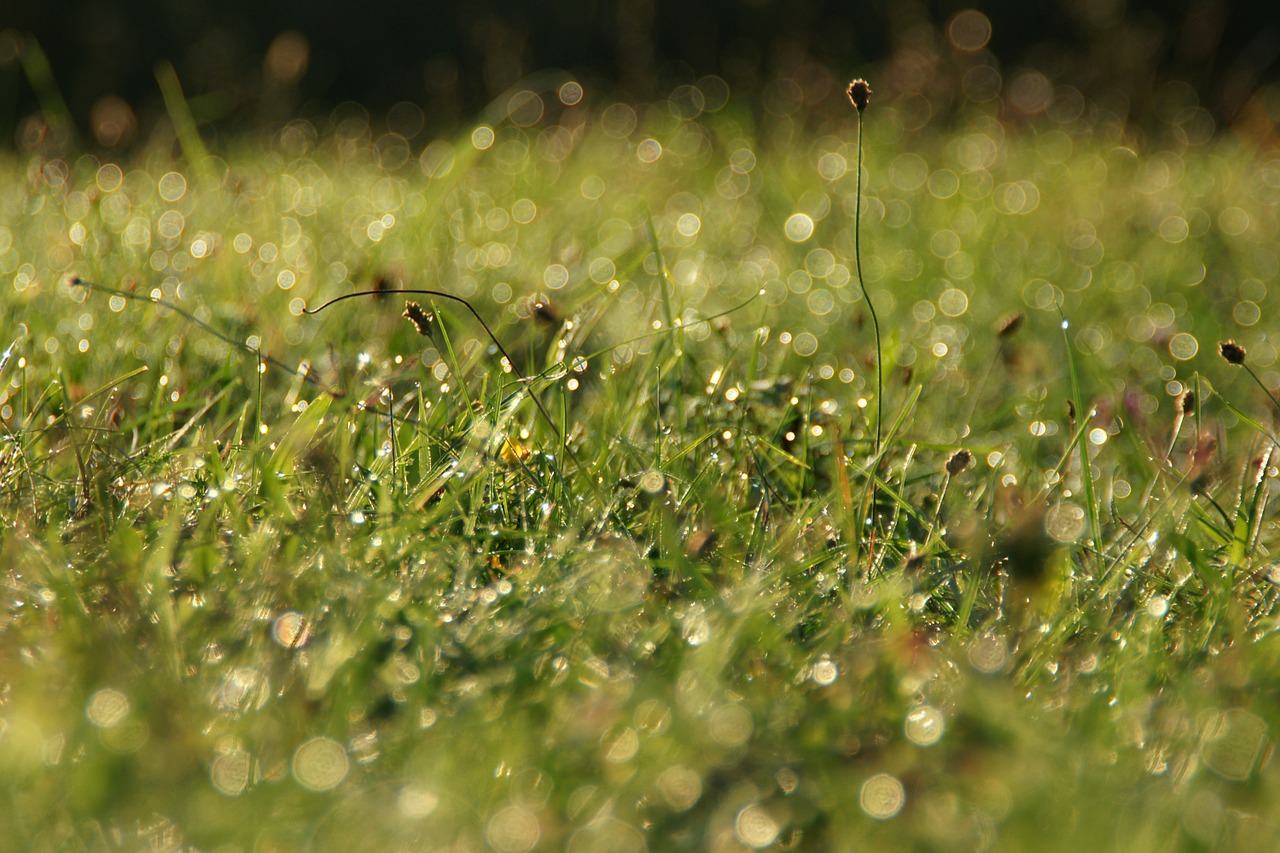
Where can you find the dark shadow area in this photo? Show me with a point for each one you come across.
(244, 65)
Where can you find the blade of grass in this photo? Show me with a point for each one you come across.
(184, 124)
(1086, 417)
(35, 64)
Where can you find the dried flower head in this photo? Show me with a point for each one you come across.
(1186, 402)
(959, 461)
(859, 93)
(1232, 352)
(1009, 325)
(420, 318)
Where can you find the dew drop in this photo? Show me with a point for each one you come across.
(882, 796)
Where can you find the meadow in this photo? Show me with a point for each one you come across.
(630, 537)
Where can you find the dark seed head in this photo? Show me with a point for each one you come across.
(959, 461)
(1186, 402)
(1232, 352)
(420, 318)
(859, 93)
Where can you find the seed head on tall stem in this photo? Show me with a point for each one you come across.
(1235, 354)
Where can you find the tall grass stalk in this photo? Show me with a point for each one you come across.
(1082, 441)
(860, 95)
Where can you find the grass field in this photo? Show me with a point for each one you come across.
(621, 576)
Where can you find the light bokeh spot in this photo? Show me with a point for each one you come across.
(730, 725)
(825, 672)
(1183, 346)
(755, 827)
(230, 772)
(1234, 744)
(969, 31)
(320, 764)
(989, 654)
(291, 630)
(107, 708)
(882, 796)
(680, 787)
(513, 829)
(1065, 522)
(925, 725)
(799, 227)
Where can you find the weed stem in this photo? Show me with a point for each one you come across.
(862, 282)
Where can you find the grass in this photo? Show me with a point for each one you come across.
(279, 580)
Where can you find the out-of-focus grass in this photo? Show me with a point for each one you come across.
(385, 601)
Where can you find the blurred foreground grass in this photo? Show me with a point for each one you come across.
(278, 581)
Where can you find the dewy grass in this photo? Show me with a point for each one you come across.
(374, 602)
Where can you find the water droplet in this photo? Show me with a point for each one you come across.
(755, 827)
(694, 627)
(482, 137)
(1065, 522)
(513, 829)
(571, 93)
(799, 227)
(825, 672)
(107, 708)
(230, 772)
(925, 725)
(730, 725)
(649, 151)
(882, 796)
(416, 803)
(623, 747)
(1234, 743)
(320, 764)
(989, 654)
(680, 787)
(291, 630)
(652, 482)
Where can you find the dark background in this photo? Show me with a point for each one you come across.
(246, 64)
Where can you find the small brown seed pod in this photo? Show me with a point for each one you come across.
(859, 93)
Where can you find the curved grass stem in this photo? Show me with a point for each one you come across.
(871, 308)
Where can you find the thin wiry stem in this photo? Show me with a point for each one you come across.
(862, 282)
(870, 506)
(440, 294)
(1262, 385)
(263, 358)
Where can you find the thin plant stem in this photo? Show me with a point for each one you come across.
(1262, 385)
(862, 282)
(870, 505)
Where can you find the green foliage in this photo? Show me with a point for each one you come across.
(331, 581)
